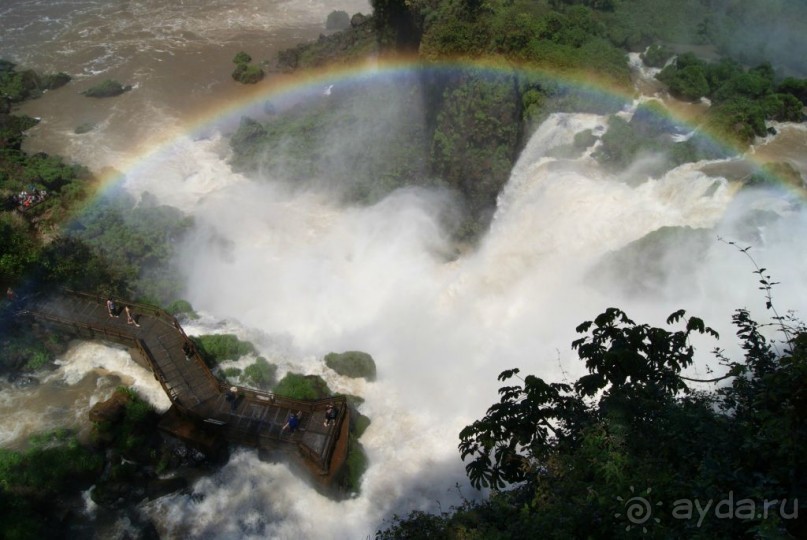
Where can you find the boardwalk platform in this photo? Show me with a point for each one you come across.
(247, 417)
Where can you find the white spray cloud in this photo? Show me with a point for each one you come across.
(319, 277)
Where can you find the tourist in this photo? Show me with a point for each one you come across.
(130, 319)
(111, 308)
(330, 415)
(187, 348)
(292, 422)
(231, 395)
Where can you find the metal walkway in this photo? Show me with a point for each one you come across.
(254, 418)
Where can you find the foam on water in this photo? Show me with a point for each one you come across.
(87, 357)
(311, 277)
(86, 374)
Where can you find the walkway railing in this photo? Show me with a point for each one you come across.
(145, 347)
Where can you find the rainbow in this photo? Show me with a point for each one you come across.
(312, 82)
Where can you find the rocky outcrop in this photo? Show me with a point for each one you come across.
(108, 88)
(111, 410)
(355, 364)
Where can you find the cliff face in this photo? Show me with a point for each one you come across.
(453, 128)
(357, 41)
(458, 127)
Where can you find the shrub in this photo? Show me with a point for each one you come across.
(53, 463)
(127, 423)
(656, 56)
(38, 360)
(248, 73)
(337, 20)
(688, 82)
(242, 58)
(355, 465)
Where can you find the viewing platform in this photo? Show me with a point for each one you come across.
(204, 410)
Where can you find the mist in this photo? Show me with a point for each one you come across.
(302, 273)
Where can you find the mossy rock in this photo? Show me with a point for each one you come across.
(127, 424)
(27, 352)
(297, 386)
(354, 468)
(108, 88)
(86, 127)
(182, 307)
(261, 374)
(354, 401)
(53, 464)
(232, 373)
(247, 73)
(352, 364)
(359, 423)
(215, 348)
(52, 81)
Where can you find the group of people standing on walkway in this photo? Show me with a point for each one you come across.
(293, 420)
(114, 312)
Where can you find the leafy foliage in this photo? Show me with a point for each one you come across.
(337, 20)
(248, 73)
(656, 56)
(306, 144)
(137, 240)
(242, 58)
(52, 463)
(571, 454)
(133, 432)
(743, 99)
(245, 72)
(17, 86)
(21, 350)
(475, 136)
(18, 249)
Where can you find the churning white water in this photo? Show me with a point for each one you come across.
(88, 373)
(302, 276)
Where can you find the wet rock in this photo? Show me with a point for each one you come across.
(160, 487)
(111, 410)
(352, 364)
(23, 381)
